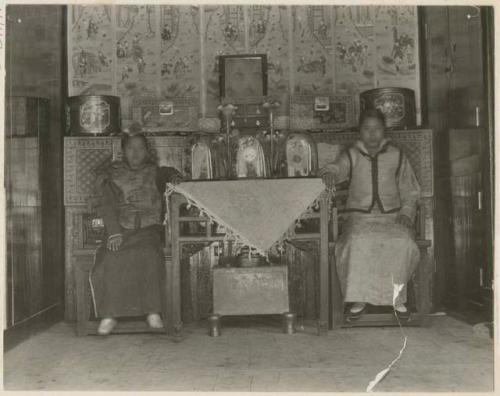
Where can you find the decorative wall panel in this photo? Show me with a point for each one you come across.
(313, 46)
(396, 46)
(223, 34)
(155, 52)
(354, 48)
(137, 55)
(180, 51)
(91, 50)
(268, 33)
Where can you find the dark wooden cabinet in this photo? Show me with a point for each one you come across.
(457, 78)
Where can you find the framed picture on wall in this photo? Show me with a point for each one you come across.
(243, 75)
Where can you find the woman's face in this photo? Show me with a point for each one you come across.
(372, 132)
(136, 152)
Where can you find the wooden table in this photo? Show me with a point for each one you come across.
(176, 244)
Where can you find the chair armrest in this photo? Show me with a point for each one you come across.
(84, 259)
(341, 197)
(420, 222)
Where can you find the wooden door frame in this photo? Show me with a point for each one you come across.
(488, 120)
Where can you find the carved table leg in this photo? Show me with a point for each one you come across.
(214, 321)
(322, 327)
(324, 287)
(423, 291)
(178, 332)
(289, 322)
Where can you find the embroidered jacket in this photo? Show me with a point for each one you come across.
(386, 179)
(131, 198)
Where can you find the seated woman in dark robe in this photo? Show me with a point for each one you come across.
(127, 275)
(376, 252)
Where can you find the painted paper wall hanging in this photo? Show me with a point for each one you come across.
(312, 63)
(397, 49)
(223, 30)
(169, 51)
(354, 48)
(180, 65)
(396, 37)
(90, 50)
(268, 33)
(137, 54)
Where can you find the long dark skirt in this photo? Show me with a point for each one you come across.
(128, 282)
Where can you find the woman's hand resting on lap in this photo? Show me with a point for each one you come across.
(115, 242)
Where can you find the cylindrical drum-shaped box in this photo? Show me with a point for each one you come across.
(93, 115)
(397, 104)
(26, 116)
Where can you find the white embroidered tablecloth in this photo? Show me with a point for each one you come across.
(257, 212)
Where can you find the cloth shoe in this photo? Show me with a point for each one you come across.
(106, 326)
(154, 321)
(402, 312)
(357, 307)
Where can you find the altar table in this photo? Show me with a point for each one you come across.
(255, 212)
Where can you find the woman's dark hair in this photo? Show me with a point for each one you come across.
(126, 139)
(372, 113)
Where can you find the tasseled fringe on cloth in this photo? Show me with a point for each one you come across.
(233, 234)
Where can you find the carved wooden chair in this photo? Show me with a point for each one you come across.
(419, 287)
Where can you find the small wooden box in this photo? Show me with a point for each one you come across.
(250, 291)
(339, 116)
(179, 114)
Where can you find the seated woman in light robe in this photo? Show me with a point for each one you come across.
(376, 250)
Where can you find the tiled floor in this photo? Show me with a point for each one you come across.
(258, 357)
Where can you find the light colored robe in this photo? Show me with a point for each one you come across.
(374, 252)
